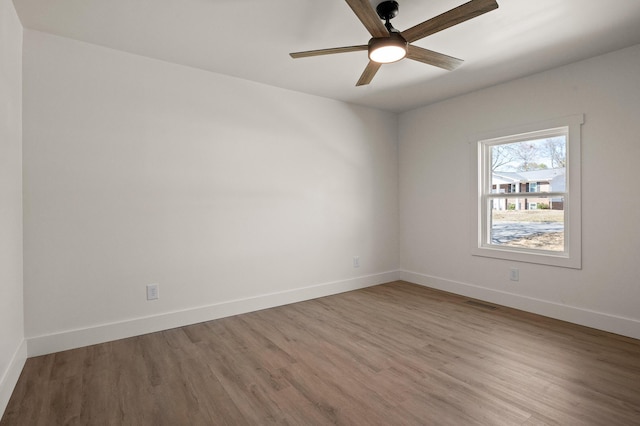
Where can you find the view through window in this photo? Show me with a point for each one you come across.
(526, 192)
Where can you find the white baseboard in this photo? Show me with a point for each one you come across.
(9, 378)
(614, 324)
(70, 339)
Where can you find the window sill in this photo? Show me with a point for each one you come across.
(541, 258)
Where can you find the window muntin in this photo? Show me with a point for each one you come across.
(528, 203)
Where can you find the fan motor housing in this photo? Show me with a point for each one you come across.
(395, 42)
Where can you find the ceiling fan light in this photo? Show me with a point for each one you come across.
(385, 50)
(387, 54)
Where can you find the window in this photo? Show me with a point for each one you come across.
(527, 193)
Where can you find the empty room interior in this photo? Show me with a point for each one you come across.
(217, 212)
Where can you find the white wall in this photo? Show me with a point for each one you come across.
(231, 195)
(236, 196)
(12, 347)
(435, 163)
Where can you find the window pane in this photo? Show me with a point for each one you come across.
(536, 165)
(532, 223)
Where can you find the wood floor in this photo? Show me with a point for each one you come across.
(394, 354)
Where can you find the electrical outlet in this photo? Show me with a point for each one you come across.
(514, 274)
(153, 292)
(356, 261)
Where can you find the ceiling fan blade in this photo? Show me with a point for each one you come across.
(448, 19)
(430, 57)
(328, 51)
(368, 74)
(368, 17)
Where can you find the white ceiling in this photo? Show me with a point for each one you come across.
(251, 39)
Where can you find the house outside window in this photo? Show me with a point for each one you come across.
(527, 200)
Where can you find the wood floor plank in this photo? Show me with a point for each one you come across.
(397, 353)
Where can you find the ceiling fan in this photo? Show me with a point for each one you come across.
(390, 45)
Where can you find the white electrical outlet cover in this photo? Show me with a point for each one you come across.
(152, 292)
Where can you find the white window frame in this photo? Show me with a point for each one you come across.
(571, 257)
